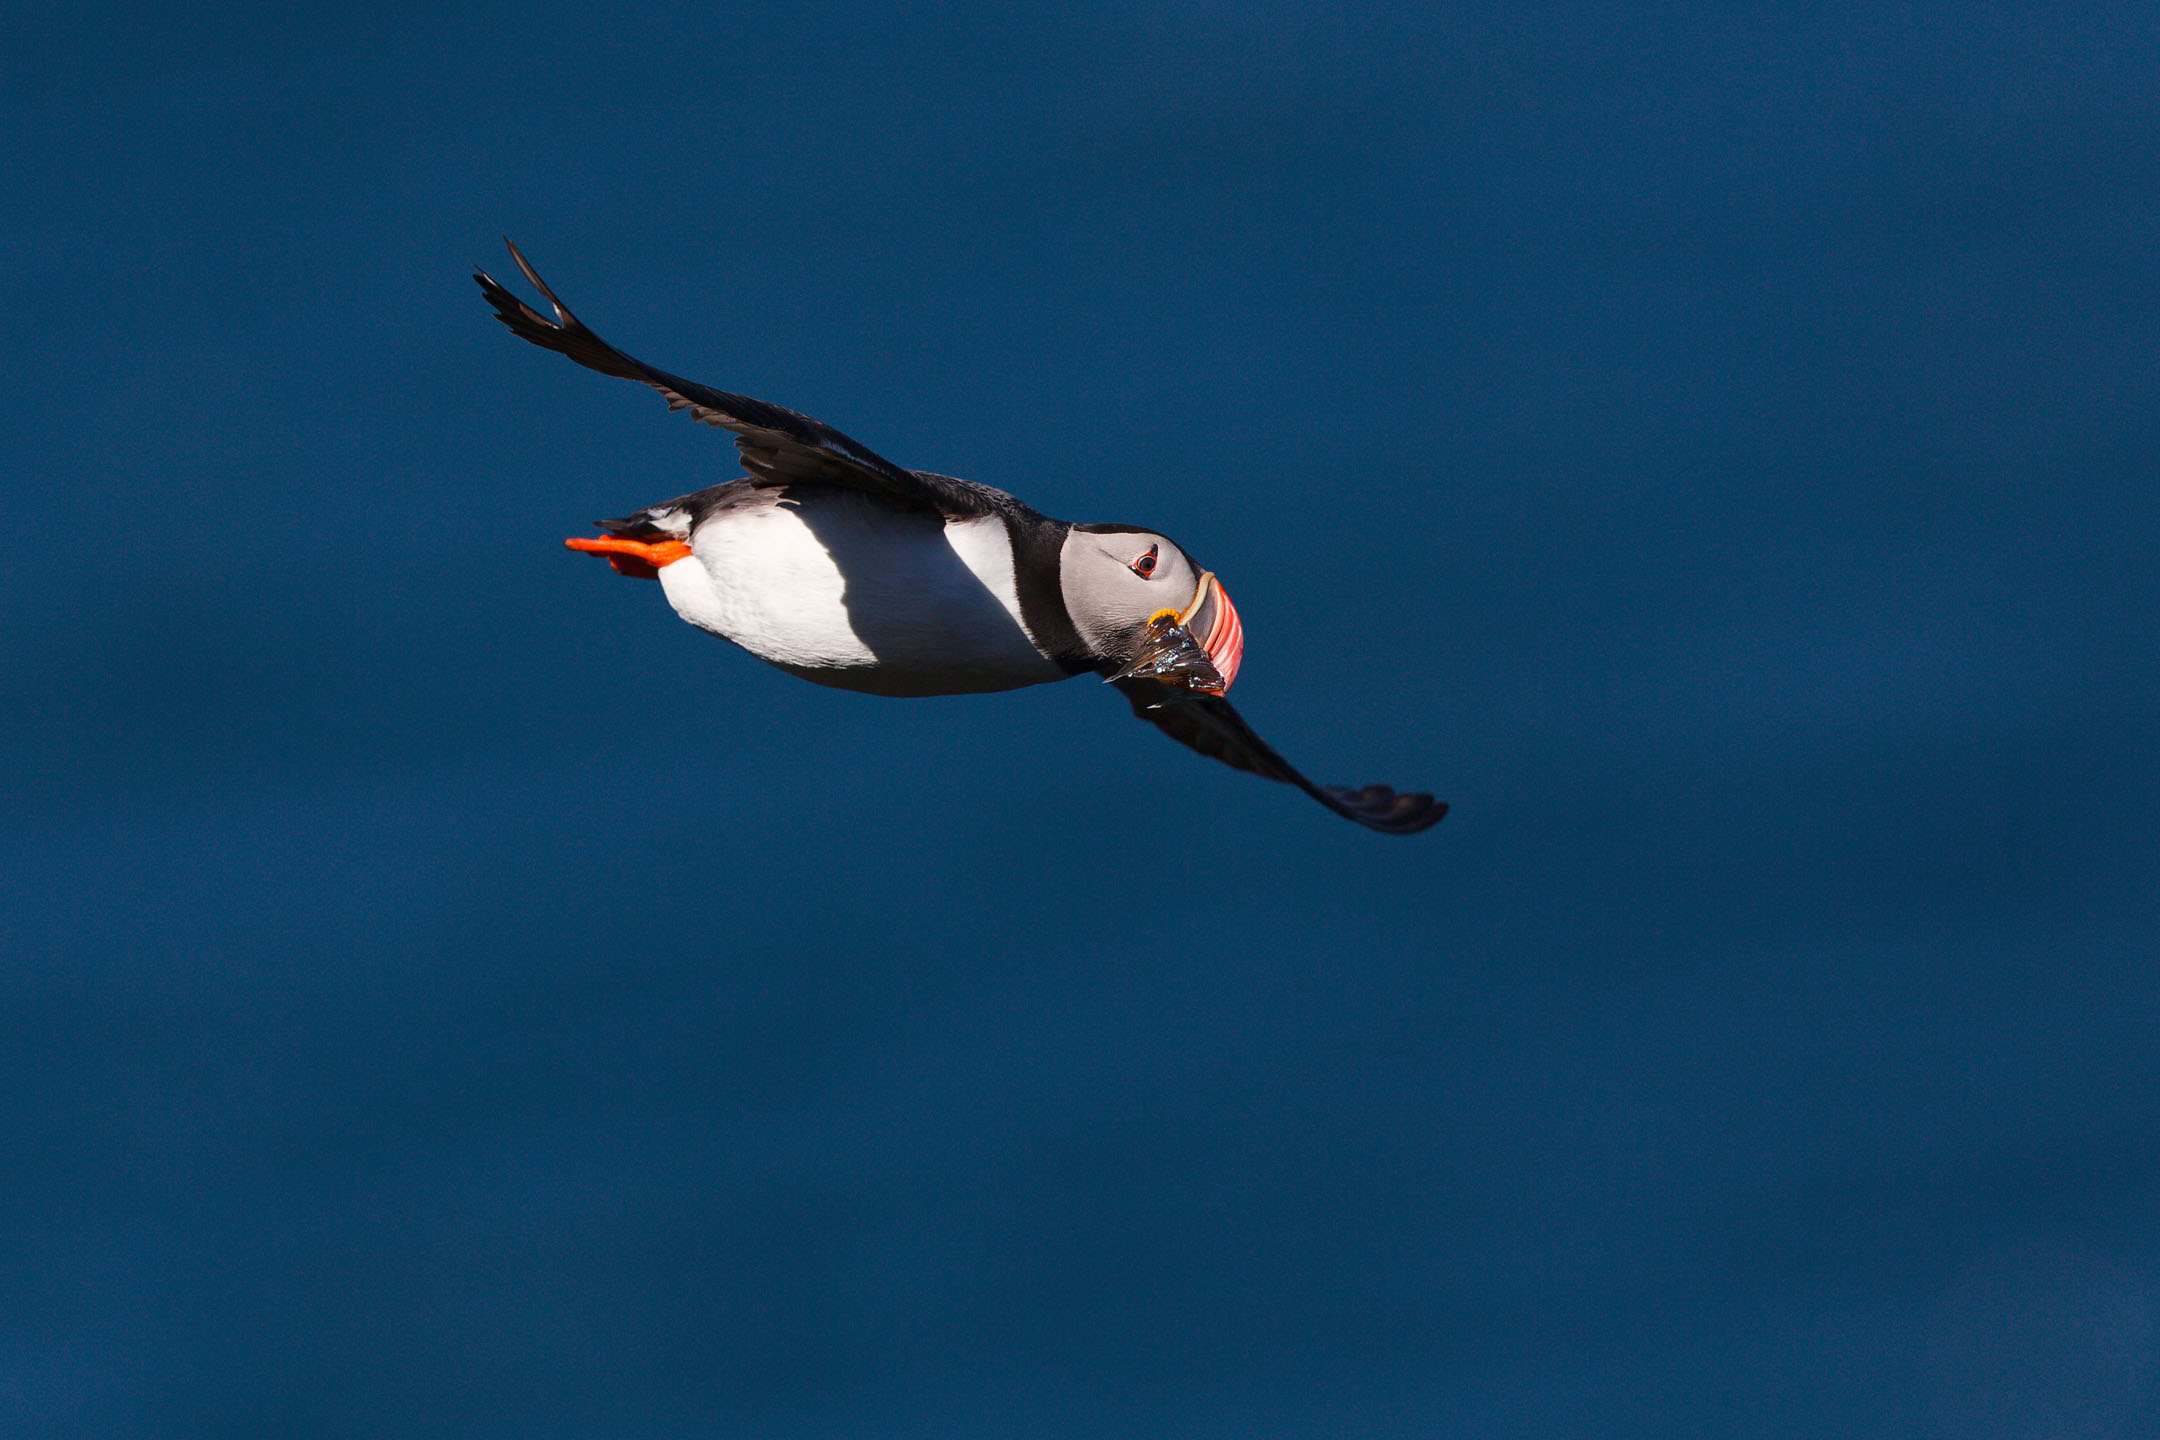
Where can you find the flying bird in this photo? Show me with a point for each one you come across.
(834, 564)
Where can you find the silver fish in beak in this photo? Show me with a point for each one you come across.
(1199, 648)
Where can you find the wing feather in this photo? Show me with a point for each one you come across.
(777, 444)
(1210, 725)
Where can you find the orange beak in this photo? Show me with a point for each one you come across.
(1213, 621)
(640, 558)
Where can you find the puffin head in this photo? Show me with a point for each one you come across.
(1144, 608)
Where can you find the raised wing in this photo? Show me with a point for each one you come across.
(776, 443)
(1208, 724)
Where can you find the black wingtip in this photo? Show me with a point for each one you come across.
(520, 316)
(565, 335)
(1378, 807)
(563, 317)
(515, 313)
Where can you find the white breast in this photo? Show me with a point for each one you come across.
(847, 590)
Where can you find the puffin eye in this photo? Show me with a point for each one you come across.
(1144, 567)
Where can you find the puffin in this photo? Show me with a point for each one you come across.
(832, 563)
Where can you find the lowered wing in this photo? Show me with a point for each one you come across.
(1208, 724)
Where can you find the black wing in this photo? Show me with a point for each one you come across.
(1208, 724)
(776, 443)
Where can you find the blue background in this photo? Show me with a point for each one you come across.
(1715, 448)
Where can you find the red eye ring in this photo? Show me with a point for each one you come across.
(1144, 567)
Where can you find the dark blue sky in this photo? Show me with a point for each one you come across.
(444, 994)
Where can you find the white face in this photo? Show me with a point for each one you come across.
(1115, 580)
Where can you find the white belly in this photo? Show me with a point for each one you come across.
(846, 590)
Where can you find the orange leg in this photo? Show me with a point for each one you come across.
(640, 558)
